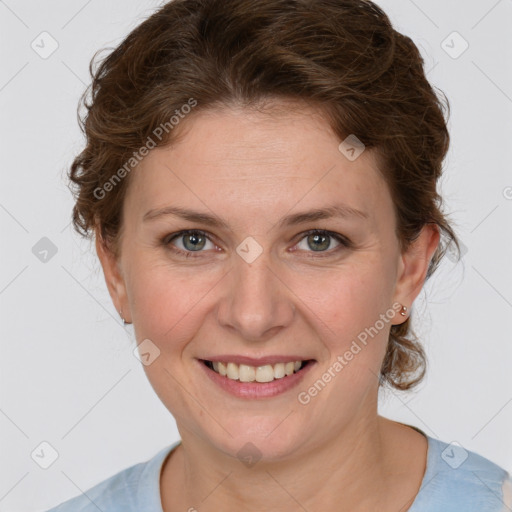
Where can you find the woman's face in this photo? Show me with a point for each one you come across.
(257, 285)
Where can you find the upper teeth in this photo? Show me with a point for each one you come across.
(265, 373)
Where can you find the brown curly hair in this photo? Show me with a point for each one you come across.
(341, 56)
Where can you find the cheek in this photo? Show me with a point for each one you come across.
(166, 301)
(345, 307)
(169, 303)
(347, 299)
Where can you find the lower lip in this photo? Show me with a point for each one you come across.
(257, 389)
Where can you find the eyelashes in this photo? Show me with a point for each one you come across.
(344, 243)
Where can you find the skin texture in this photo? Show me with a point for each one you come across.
(251, 169)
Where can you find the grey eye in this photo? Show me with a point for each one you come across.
(317, 242)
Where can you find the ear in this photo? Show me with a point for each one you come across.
(413, 265)
(113, 277)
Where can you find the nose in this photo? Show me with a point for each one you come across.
(256, 303)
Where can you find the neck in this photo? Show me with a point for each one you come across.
(352, 470)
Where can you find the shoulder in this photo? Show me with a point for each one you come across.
(132, 489)
(457, 479)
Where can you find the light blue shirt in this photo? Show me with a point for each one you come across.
(455, 480)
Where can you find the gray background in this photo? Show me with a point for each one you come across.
(68, 375)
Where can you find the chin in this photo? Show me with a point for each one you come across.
(262, 442)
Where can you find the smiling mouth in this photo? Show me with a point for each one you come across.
(264, 373)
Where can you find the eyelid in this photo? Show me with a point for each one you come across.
(341, 239)
(173, 236)
(333, 234)
(344, 243)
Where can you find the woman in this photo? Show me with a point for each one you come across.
(260, 178)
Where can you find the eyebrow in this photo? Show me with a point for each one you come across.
(329, 212)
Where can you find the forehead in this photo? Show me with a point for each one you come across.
(263, 161)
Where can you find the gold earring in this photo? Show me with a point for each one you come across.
(403, 311)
